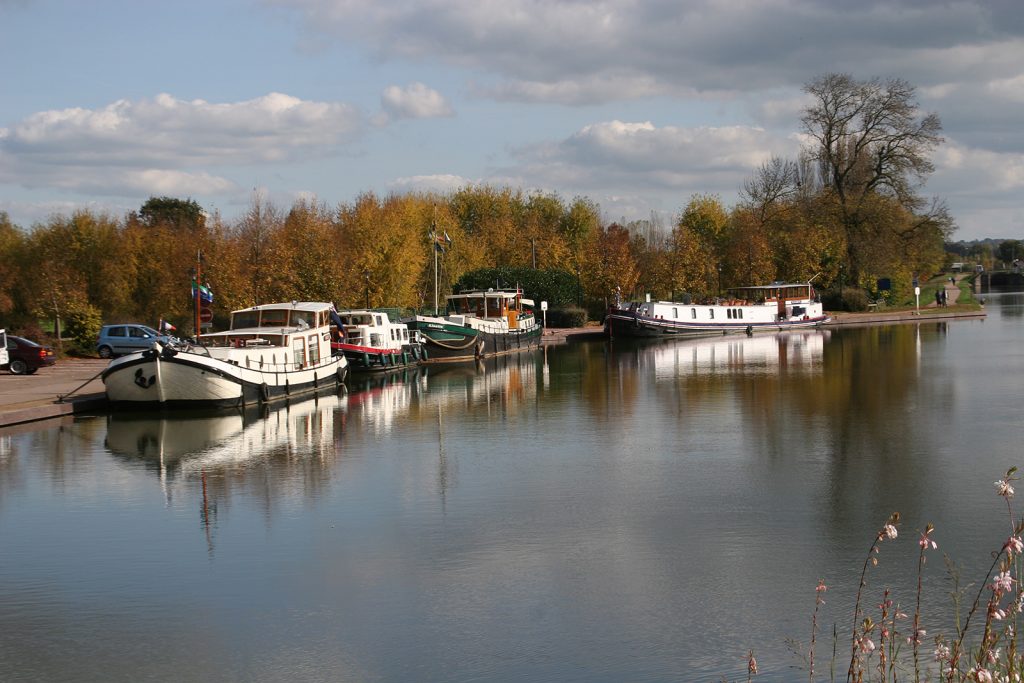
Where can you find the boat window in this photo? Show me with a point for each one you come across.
(675, 314)
(314, 349)
(299, 349)
(693, 313)
(740, 311)
(274, 318)
(244, 319)
(299, 317)
(712, 312)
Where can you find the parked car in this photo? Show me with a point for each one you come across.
(25, 356)
(116, 340)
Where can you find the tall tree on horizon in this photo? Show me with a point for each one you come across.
(870, 140)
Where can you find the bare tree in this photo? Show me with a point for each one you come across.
(869, 137)
(870, 141)
(777, 180)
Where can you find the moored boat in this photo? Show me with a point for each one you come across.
(372, 342)
(271, 352)
(479, 324)
(773, 307)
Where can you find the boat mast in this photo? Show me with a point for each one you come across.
(433, 248)
(198, 294)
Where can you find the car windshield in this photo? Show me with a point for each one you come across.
(149, 330)
(22, 340)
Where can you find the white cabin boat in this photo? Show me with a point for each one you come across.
(774, 307)
(271, 352)
(372, 342)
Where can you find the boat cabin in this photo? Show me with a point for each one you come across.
(295, 335)
(371, 329)
(491, 304)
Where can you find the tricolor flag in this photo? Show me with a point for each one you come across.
(166, 326)
(205, 293)
(441, 242)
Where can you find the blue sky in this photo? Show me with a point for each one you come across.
(636, 104)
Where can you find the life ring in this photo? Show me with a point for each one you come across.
(480, 348)
(264, 392)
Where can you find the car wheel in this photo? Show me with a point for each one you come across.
(18, 367)
(106, 352)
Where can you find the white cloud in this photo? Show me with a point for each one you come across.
(414, 101)
(165, 145)
(700, 44)
(630, 157)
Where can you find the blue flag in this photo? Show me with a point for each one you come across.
(205, 293)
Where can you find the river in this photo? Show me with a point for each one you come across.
(587, 512)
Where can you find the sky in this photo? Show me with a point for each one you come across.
(637, 105)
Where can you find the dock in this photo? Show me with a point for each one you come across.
(70, 387)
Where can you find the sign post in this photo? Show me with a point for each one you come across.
(917, 297)
(544, 309)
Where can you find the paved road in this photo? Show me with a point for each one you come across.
(48, 384)
(26, 398)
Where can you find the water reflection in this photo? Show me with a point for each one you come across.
(769, 354)
(507, 382)
(233, 440)
(631, 512)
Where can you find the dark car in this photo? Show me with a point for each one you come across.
(26, 356)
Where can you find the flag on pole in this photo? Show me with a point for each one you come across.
(205, 293)
(441, 242)
(166, 326)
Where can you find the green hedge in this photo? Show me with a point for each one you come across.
(572, 316)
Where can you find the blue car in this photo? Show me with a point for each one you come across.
(116, 340)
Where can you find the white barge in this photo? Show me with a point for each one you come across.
(271, 352)
(772, 307)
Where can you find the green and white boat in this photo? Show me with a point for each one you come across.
(479, 324)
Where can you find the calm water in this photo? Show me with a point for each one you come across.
(644, 512)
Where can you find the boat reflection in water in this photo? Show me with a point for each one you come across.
(378, 400)
(194, 441)
(508, 380)
(770, 354)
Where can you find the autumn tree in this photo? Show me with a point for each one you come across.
(184, 214)
(611, 266)
(252, 258)
(12, 250)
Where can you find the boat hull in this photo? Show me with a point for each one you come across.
(366, 359)
(447, 342)
(629, 324)
(165, 378)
